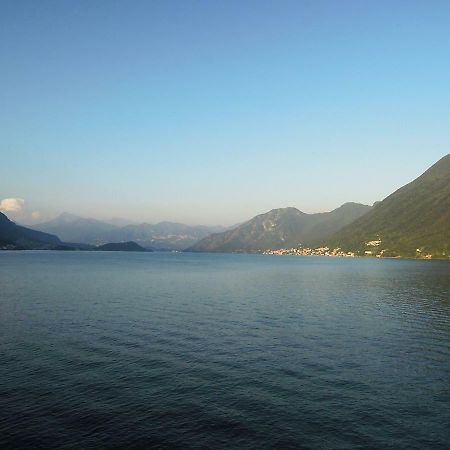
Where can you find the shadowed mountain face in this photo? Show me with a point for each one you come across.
(281, 228)
(417, 216)
(16, 236)
(163, 235)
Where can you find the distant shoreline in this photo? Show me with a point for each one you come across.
(367, 257)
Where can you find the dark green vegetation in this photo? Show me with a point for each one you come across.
(160, 236)
(281, 228)
(14, 236)
(121, 247)
(415, 217)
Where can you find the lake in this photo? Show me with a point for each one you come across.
(215, 351)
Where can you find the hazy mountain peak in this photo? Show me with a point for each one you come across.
(347, 205)
(164, 235)
(66, 217)
(285, 210)
(72, 228)
(120, 222)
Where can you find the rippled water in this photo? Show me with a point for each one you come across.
(123, 350)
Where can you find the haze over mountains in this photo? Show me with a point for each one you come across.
(72, 228)
(414, 221)
(160, 236)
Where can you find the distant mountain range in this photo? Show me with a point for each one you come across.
(160, 236)
(72, 228)
(281, 228)
(414, 221)
(163, 235)
(16, 237)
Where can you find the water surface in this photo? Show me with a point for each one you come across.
(198, 351)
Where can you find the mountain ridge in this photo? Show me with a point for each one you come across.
(163, 235)
(280, 228)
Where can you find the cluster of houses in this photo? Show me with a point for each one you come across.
(420, 254)
(306, 251)
(373, 245)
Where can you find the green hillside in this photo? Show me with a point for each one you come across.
(280, 228)
(415, 217)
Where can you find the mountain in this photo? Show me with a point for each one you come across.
(162, 236)
(415, 217)
(121, 247)
(119, 221)
(18, 237)
(73, 228)
(281, 228)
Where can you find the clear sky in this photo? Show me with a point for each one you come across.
(214, 111)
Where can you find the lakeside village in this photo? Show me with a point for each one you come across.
(326, 251)
(372, 249)
(305, 251)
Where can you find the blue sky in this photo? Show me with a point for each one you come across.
(214, 111)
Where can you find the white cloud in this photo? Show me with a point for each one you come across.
(12, 204)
